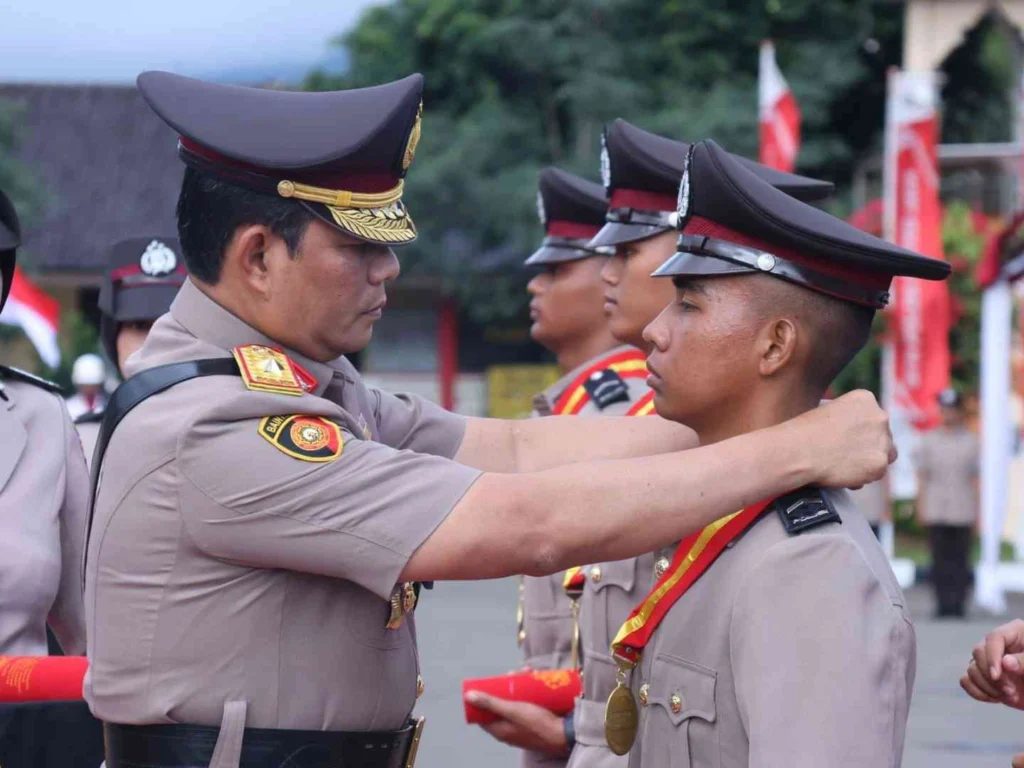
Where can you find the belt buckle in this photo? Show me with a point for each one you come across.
(414, 747)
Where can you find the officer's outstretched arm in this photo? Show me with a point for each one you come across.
(541, 522)
(501, 445)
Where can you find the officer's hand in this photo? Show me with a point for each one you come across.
(522, 724)
(848, 441)
(1018, 761)
(996, 670)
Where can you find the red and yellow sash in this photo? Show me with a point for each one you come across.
(631, 364)
(644, 406)
(694, 555)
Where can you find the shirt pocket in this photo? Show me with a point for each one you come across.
(678, 730)
(613, 585)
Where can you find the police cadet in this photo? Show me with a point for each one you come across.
(143, 275)
(262, 516)
(777, 635)
(44, 492)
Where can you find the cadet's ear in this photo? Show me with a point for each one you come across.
(777, 345)
(245, 255)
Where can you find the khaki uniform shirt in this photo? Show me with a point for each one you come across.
(223, 570)
(947, 462)
(547, 614)
(88, 433)
(793, 651)
(44, 497)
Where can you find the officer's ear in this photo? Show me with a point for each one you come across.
(777, 345)
(246, 256)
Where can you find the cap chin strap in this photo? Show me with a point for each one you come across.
(770, 264)
(577, 244)
(665, 219)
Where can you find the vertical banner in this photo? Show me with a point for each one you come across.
(920, 312)
(778, 114)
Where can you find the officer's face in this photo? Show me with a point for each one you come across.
(324, 301)
(632, 297)
(567, 303)
(704, 359)
(130, 337)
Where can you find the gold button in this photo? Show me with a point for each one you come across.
(660, 567)
(644, 690)
(595, 573)
(419, 686)
(522, 636)
(676, 703)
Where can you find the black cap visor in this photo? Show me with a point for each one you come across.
(559, 250)
(615, 233)
(144, 302)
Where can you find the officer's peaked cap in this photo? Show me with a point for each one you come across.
(571, 210)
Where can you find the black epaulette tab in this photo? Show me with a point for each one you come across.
(606, 387)
(16, 374)
(805, 509)
(92, 417)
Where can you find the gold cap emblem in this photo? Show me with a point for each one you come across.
(414, 139)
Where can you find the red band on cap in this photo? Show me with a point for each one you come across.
(572, 229)
(697, 225)
(642, 200)
(130, 270)
(362, 182)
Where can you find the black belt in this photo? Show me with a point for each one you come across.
(191, 746)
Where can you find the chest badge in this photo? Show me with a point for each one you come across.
(304, 437)
(265, 369)
(403, 602)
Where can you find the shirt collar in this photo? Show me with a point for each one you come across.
(207, 320)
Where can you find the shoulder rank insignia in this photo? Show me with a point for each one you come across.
(305, 437)
(266, 369)
(606, 387)
(16, 374)
(804, 509)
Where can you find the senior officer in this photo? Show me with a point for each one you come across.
(773, 299)
(143, 276)
(636, 163)
(261, 514)
(44, 493)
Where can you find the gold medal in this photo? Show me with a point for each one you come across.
(408, 597)
(397, 614)
(621, 716)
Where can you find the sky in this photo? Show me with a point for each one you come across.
(111, 41)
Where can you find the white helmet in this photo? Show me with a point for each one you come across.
(88, 370)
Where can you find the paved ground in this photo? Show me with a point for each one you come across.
(468, 629)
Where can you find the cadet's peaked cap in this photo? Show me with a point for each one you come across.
(571, 210)
(641, 172)
(143, 277)
(341, 154)
(10, 239)
(735, 223)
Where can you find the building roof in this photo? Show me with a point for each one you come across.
(107, 167)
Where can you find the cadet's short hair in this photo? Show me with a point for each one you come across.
(209, 211)
(838, 329)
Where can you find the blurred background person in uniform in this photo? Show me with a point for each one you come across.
(947, 502)
(87, 376)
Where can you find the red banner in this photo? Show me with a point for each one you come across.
(778, 115)
(920, 313)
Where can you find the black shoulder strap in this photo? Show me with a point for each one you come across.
(134, 391)
(17, 374)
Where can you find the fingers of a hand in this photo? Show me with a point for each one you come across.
(502, 730)
(1018, 761)
(1014, 663)
(480, 700)
(974, 692)
(994, 649)
(982, 681)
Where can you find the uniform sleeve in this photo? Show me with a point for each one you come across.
(358, 517)
(823, 662)
(409, 421)
(67, 615)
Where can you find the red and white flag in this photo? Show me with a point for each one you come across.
(778, 114)
(921, 309)
(37, 314)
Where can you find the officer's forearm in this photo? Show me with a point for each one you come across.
(538, 444)
(544, 521)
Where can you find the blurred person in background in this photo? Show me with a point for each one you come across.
(995, 673)
(44, 496)
(88, 376)
(143, 275)
(948, 503)
(641, 172)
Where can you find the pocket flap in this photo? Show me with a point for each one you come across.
(683, 689)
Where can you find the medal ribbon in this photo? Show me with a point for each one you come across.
(693, 556)
(631, 364)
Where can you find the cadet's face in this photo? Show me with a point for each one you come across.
(632, 297)
(566, 302)
(329, 296)
(704, 354)
(130, 337)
